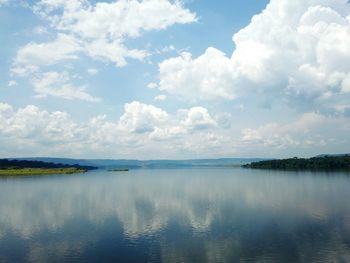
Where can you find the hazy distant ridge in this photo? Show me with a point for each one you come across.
(107, 163)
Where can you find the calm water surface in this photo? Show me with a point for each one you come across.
(182, 215)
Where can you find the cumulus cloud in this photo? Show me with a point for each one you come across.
(311, 130)
(152, 85)
(32, 131)
(103, 27)
(113, 51)
(58, 85)
(34, 126)
(198, 118)
(187, 122)
(195, 132)
(97, 30)
(12, 83)
(117, 19)
(141, 118)
(296, 51)
(206, 77)
(145, 131)
(35, 55)
(92, 71)
(160, 97)
(140, 132)
(40, 30)
(167, 133)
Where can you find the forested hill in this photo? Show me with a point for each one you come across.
(5, 164)
(341, 162)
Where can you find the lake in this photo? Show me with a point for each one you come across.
(176, 215)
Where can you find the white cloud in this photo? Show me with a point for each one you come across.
(152, 85)
(40, 30)
(32, 131)
(113, 51)
(209, 143)
(58, 85)
(5, 109)
(167, 133)
(311, 129)
(97, 30)
(104, 27)
(168, 49)
(92, 71)
(161, 97)
(198, 118)
(12, 83)
(207, 77)
(145, 131)
(294, 51)
(188, 128)
(33, 55)
(141, 118)
(115, 20)
(31, 123)
(186, 124)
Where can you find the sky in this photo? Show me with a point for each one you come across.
(164, 79)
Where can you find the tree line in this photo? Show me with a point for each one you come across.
(315, 163)
(18, 164)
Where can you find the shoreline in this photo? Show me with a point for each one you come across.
(39, 171)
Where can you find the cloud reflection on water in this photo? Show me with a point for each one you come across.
(180, 215)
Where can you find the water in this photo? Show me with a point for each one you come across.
(180, 215)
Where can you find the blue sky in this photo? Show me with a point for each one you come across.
(174, 79)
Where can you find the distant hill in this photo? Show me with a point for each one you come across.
(133, 164)
(334, 162)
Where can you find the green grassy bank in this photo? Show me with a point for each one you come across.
(39, 171)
